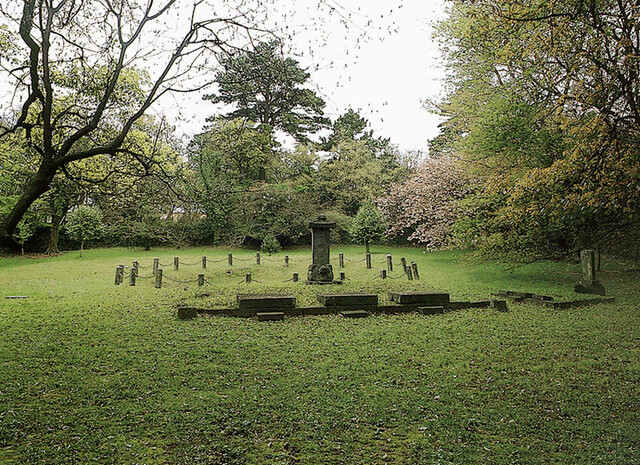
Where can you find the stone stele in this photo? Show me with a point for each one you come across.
(320, 271)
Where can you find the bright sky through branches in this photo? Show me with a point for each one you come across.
(375, 56)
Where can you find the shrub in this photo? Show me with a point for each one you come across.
(270, 245)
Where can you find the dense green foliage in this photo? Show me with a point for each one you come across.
(368, 226)
(268, 88)
(543, 110)
(538, 155)
(270, 245)
(84, 224)
(97, 373)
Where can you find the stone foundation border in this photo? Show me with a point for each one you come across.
(276, 307)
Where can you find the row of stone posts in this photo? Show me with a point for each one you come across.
(411, 271)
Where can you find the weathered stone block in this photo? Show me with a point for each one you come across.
(187, 313)
(264, 301)
(347, 300)
(270, 316)
(593, 288)
(354, 314)
(320, 273)
(480, 304)
(419, 298)
(432, 310)
(500, 305)
(458, 305)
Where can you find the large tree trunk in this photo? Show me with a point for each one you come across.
(52, 248)
(58, 212)
(37, 186)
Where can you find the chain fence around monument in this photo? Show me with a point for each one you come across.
(171, 272)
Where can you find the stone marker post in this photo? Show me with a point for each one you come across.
(132, 278)
(176, 263)
(341, 259)
(383, 274)
(295, 277)
(257, 258)
(409, 274)
(286, 260)
(320, 271)
(156, 264)
(201, 279)
(119, 274)
(404, 264)
(367, 259)
(389, 263)
(414, 267)
(230, 259)
(135, 268)
(158, 278)
(204, 261)
(589, 284)
(588, 266)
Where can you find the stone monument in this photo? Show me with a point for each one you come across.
(589, 283)
(320, 271)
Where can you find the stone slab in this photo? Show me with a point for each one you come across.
(419, 298)
(265, 301)
(437, 310)
(187, 313)
(594, 288)
(500, 305)
(347, 300)
(458, 305)
(522, 296)
(270, 316)
(354, 314)
(480, 304)
(581, 303)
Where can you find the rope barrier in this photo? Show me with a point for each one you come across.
(164, 276)
(397, 277)
(287, 260)
(146, 277)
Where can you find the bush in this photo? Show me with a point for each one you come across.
(270, 245)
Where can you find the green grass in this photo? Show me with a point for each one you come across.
(93, 373)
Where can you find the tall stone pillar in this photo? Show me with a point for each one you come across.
(589, 284)
(320, 270)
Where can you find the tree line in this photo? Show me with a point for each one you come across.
(538, 153)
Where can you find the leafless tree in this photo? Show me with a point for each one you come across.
(85, 71)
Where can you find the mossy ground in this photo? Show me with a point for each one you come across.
(91, 372)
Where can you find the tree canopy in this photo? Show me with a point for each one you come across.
(544, 108)
(268, 88)
(74, 64)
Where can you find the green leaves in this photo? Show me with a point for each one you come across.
(543, 103)
(267, 88)
(368, 227)
(84, 224)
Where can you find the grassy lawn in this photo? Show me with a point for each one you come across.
(93, 373)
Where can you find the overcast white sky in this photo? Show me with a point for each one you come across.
(375, 56)
(383, 63)
(387, 78)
